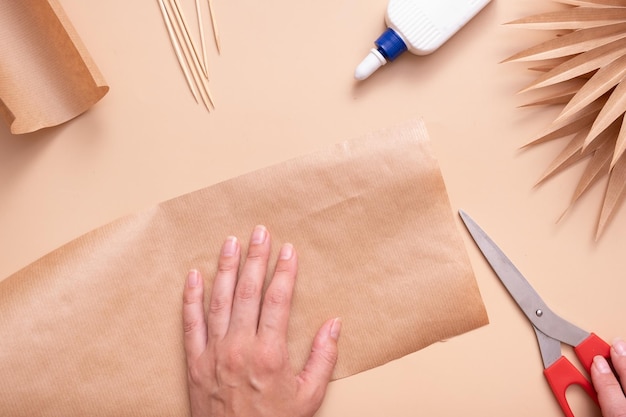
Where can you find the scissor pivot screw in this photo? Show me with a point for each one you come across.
(539, 312)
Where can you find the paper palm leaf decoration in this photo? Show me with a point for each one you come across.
(583, 69)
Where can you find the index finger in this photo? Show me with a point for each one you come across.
(194, 325)
(610, 394)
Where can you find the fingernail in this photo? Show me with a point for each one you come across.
(193, 278)
(230, 247)
(335, 328)
(286, 252)
(620, 347)
(259, 235)
(602, 365)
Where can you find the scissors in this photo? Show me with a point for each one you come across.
(551, 330)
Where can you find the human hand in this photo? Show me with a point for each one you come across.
(237, 359)
(610, 391)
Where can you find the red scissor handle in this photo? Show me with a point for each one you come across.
(562, 373)
(590, 348)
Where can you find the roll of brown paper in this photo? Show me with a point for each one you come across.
(48, 77)
(94, 328)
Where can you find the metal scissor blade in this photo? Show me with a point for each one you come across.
(522, 292)
(550, 348)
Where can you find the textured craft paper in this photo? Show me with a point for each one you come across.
(94, 328)
(47, 77)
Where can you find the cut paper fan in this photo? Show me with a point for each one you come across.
(580, 17)
(582, 69)
(614, 193)
(562, 95)
(618, 3)
(600, 83)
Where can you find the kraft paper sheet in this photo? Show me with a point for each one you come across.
(94, 328)
(47, 77)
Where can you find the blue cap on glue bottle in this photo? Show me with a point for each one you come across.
(389, 46)
(417, 26)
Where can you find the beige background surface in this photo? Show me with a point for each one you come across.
(283, 87)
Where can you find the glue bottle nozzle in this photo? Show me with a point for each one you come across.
(371, 63)
(388, 47)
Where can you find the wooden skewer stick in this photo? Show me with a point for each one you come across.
(183, 25)
(207, 92)
(216, 34)
(192, 59)
(176, 46)
(201, 26)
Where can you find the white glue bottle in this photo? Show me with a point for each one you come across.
(419, 26)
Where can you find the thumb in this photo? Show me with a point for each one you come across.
(610, 394)
(319, 367)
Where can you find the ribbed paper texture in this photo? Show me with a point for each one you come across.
(47, 77)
